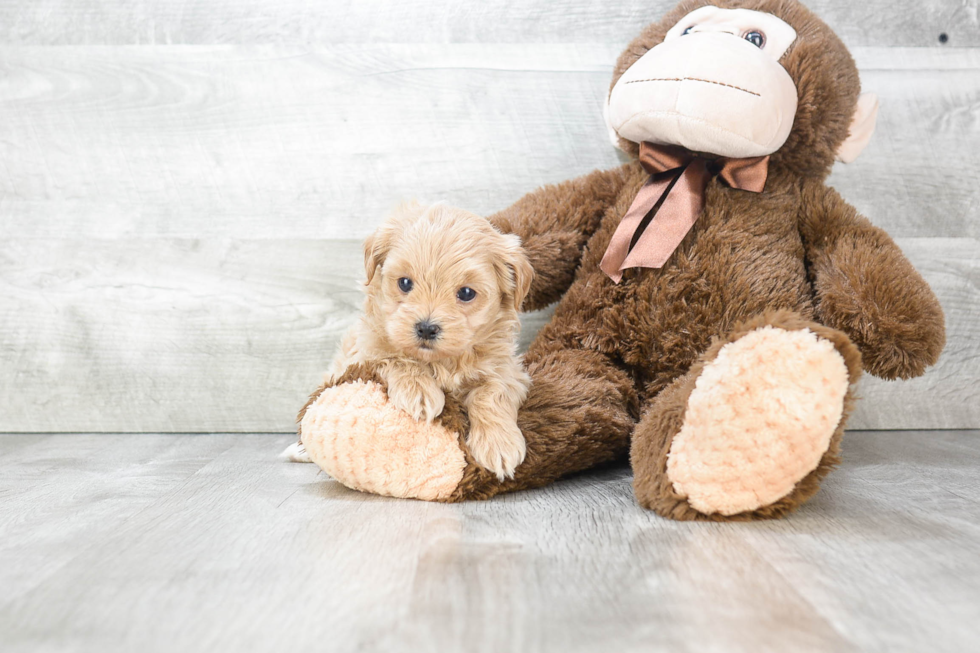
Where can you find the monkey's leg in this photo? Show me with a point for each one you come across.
(579, 413)
(751, 430)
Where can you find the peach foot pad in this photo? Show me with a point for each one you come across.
(352, 433)
(760, 418)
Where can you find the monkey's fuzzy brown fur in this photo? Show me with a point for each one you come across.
(614, 368)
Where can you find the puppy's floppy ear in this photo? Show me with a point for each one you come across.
(514, 269)
(378, 244)
(376, 247)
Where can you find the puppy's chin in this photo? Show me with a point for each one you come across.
(426, 352)
(431, 352)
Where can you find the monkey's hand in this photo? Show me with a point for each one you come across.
(867, 288)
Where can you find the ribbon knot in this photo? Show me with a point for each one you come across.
(669, 203)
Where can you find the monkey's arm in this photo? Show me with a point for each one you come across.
(867, 288)
(555, 222)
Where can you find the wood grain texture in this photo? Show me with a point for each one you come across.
(205, 543)
(139, 22)
(319, 142)
(211, 335)
(186, 335)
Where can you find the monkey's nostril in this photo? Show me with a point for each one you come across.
(427, 330)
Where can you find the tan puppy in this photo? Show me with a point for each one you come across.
(443, 293)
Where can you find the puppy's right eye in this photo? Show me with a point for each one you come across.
(405, 284)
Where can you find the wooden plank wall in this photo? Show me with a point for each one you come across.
(183, 187)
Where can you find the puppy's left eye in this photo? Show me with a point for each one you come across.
(465, 294)
(756, 38)
(405, 284)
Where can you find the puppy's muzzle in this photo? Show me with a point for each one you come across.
(427, 331)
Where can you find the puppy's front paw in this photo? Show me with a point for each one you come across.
(499, 448)
(418, 396)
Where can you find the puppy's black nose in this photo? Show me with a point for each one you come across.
(427, 330)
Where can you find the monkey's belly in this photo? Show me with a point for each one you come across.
(658, 321)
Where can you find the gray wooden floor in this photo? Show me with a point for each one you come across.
(207, 543)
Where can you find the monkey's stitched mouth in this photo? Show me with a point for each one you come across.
(692, 79)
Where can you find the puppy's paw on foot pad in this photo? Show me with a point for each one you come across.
(353, 433)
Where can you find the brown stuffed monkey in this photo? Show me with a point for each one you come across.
(716, 301)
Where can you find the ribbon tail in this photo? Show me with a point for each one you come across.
(619, 246)
(676, 217)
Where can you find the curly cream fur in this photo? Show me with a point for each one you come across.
(442, 249)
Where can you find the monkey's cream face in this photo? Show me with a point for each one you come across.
(440, 292)
(715, 85)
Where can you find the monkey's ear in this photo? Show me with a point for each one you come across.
(862, 127)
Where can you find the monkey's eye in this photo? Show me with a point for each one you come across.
(405, 284)
(687, 31)
(756, 38)
(465, 294)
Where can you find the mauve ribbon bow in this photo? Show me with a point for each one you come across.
(669, 203)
